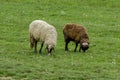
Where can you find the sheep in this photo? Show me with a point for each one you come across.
(41, 31)
(77, 34)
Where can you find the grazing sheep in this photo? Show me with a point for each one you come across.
(45, 33)
(78, 34)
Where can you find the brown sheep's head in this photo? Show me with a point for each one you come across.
(50, 48)
(84, 46)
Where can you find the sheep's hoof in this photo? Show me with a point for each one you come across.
(49, 54)
(79, 50)
(74, 50)
(84, 50)
(66, 51)
(35, 52)
(39, 52)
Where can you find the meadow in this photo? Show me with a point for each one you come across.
(101, 19)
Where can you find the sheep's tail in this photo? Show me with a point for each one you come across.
(31, 41)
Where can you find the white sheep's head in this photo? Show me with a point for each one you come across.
(84, 46)
(50, 48)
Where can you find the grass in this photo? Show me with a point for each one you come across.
(100, 62)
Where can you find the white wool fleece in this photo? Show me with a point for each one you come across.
(43, 31)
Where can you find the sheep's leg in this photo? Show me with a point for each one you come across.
(41, 47)
(66, 45)
(75, 47)
(35, 45)
(31, 41)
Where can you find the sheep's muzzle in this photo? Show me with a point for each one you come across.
(50, 49)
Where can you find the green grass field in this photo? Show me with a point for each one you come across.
(100, 62)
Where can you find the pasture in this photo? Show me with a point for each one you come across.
(101, 19)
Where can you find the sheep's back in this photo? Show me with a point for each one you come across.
(74, 31)
(39, 29)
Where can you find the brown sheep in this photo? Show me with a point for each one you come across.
(78, 34)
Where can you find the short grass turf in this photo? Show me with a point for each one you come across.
(101, 19)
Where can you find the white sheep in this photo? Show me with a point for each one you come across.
(45, 33)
